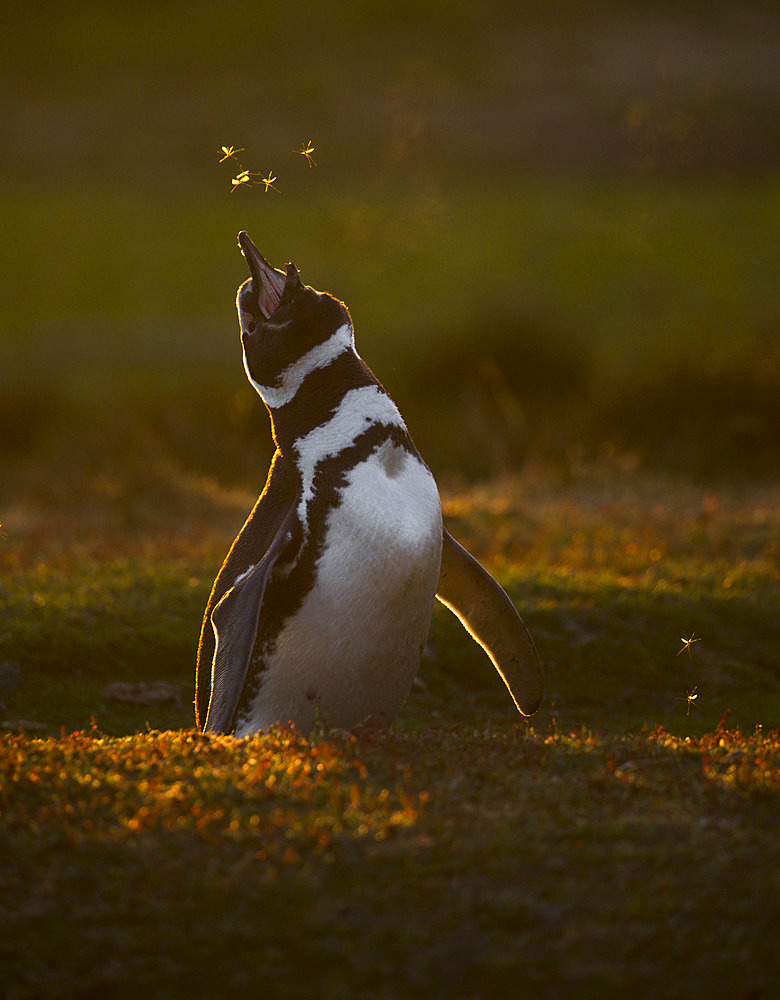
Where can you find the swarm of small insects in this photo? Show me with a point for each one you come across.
(245, 177)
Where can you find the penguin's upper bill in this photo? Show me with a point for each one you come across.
(267, 283)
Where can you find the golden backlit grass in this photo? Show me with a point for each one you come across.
(280, 793)
(623, 838)
(289, 795)
(457, 862)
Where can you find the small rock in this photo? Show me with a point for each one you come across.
(25, 725)
(143, 693)
(10, 675)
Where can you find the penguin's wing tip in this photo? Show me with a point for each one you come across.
(489, 616)
(531, 683)
(234, 620)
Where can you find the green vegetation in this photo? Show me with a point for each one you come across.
(623, 838)
(610, 567)
(577, 207)
(556, 229)
(466, 863)
(547, 315)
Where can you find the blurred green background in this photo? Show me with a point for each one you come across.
(556, 226)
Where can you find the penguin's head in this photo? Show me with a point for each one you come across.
(282, 320)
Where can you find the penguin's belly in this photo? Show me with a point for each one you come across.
(351, 650)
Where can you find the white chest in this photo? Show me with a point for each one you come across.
(352, 649)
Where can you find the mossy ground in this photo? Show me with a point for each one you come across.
(464, 862)
(624, 839)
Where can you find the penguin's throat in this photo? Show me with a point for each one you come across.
(257, 298)
(286, 385)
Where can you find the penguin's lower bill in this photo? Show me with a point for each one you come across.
(321, 609)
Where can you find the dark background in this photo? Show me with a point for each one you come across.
(556, 227)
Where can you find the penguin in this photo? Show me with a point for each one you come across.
(322, 606)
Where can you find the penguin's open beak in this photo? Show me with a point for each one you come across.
(268, 282)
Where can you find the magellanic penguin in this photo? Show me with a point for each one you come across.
(323, 604)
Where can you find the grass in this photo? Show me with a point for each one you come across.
(609, 845)
(462, 862)
(610, 566)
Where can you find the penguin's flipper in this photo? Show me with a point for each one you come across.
(489, 616)
(234, 620)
